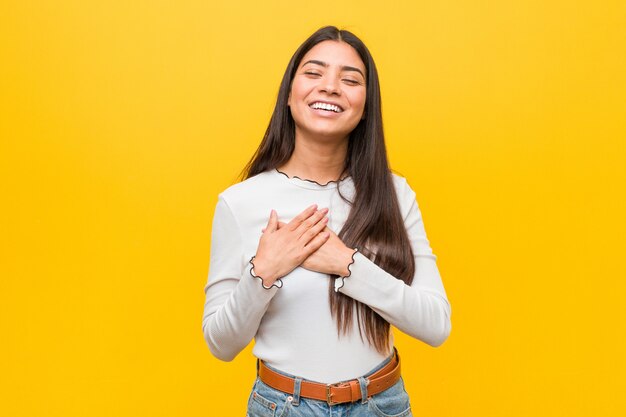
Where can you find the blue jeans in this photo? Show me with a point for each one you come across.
(265, 401)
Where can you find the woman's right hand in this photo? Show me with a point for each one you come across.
(282, 250)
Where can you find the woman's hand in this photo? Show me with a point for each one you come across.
(282, 249)
(333, 256)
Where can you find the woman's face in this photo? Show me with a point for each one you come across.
(327, 96)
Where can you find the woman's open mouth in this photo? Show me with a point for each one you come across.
(325, 108)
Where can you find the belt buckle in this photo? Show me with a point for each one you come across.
(329, 399)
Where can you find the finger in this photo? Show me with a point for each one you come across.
(314, 230)
(280, 224)
(316, 243)
(295, 222)
(311, 221)
(272, 223)
(330, 231)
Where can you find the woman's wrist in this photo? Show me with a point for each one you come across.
(345, 259)
(260, 270)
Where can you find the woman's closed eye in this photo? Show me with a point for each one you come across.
(348, 80)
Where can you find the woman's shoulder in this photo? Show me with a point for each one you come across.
(401, 184)
(398, 179)
(404, 192)
(249, 189)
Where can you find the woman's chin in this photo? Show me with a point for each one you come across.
(327, 135)
(326, 132)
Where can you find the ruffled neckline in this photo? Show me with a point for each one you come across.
(311, 184)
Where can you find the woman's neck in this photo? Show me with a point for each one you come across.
(318, 161)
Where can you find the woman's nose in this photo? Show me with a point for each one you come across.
(330, 84)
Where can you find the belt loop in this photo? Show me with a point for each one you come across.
(296, 391)
(257, 367)
(363, 383)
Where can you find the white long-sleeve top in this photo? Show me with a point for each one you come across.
(291, 322)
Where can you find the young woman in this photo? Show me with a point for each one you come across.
(321, 248)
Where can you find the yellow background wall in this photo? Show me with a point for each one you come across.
(120, 122)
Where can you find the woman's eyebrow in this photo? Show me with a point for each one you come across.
(343, 68)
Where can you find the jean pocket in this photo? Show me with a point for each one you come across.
(267, 402)
(393, 402)
(259, 406)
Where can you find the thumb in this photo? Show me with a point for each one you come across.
(272, 224)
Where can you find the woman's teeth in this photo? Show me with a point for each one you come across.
(325, 106)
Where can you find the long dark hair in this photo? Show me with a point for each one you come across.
(374, 225)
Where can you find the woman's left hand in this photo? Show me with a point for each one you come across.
(333, 257)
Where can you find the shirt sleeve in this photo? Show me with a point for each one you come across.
(421, 309)
(235, 299)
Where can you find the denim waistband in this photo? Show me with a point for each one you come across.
(373, 370)
(363, 381)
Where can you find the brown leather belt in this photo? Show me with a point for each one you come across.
(341, 392)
